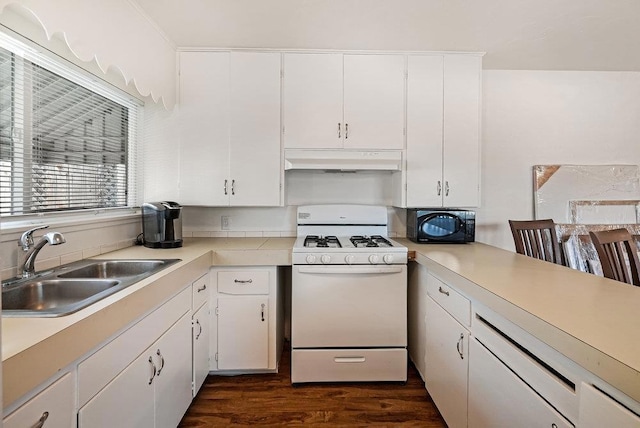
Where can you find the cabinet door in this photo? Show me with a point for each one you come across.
(255, 129)
(200, 342)
(313, 101)
(54, 406)
(424, 131)
(597, 410)
(416, 313)
(173, 391)
(446, 364)
(374, 101)
(499, 398)
(243, 332)
(127, 401)
(204, 110)
(461, 130)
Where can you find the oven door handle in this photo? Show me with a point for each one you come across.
(350, 270)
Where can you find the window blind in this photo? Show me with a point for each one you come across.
(65, 143)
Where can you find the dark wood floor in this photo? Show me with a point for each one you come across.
(269, 399)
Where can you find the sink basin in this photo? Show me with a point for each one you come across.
(53, 294)
(115, 269)
(70, 288)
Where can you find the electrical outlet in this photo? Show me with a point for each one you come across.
(226, 222)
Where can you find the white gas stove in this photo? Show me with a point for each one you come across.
(345, 235)
(349, 297)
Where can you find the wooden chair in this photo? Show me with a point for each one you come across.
(537, 238)
(618, 254)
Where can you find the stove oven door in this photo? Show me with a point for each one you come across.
(349, 306)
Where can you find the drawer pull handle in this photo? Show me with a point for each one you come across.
(346, 131)
(161, 361)
(338, 129)
(41, 421)
(445, 292)
(349, 359)
(233, 187)
(199, 331)
(154, 370)
(243, 281)
(262, 312)
(459, 346)
(204, 287)
(225, 187)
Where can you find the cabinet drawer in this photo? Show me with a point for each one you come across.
(55, 405)
(453, 302)
(243, 282)
(200, 289)
(348, 365)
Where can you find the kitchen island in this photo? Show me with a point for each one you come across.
(588, 319)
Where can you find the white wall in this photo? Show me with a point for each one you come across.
(549, 117)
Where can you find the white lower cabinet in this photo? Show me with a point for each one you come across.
(499, 398)
(200, 325)
(247, 323)
(446, 364)
(153, 391)
(597, 410)
(51, 408)
(143, 377)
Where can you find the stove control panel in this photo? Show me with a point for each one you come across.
(350, 259)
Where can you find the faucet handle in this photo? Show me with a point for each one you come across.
(26, 240)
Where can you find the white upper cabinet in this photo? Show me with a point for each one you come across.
(204, 118)
(443, 131)
(230, 110)
(350, 101)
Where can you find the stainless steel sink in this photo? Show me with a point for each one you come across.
(114, 269)
(72, 287)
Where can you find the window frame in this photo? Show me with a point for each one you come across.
(54, 63)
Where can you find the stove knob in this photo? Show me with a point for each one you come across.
(349, 259)
(325, 259)
(388, 259)
(373, 259)
(311, 259)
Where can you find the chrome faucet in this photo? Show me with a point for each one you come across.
(31, 250)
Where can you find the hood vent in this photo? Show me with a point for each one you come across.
(342, 160)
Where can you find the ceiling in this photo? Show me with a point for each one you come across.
(515, 34)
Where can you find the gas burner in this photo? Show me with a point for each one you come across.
(370, 241)
(314, 241)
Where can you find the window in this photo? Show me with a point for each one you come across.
(66, 143)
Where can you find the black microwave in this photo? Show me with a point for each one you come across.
(441, 225)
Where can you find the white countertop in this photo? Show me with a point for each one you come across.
(591, 320)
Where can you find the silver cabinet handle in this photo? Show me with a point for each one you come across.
(200, 331)
(225, 187)
(204, 287)
(346, 131)
(446, 188)
(262, 314)
(439, 188)
(339, 130)
(154, 370)
(243, 281)
(445, 292)
(459, 346)
(161, 361)
(233, 187)
(41, 421)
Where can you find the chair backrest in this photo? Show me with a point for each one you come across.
(537, 238)
(618, 254)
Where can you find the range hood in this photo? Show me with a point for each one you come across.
(342, 160)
